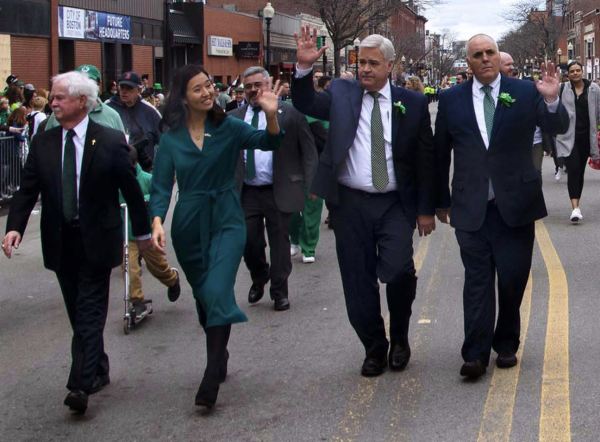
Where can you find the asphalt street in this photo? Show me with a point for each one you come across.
(295, 376)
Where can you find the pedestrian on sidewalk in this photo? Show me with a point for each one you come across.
(82, 232)
(201, 148)
(581, 98)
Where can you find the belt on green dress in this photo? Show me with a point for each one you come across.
(206, 200)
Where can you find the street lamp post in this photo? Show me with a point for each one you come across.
(559, 53)
(527, 66)
(356, 45)
(268, 14)
(410, 63)
(323, 33)
(403, 60)
(570, 51)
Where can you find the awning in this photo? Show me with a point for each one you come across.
(182, 29)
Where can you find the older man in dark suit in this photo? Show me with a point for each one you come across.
(377, 175)
(79, 168)
(489, 122)
(271, 189)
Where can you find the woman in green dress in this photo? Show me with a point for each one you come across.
(201, 148)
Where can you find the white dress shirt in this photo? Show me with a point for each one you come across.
(355, 171)
(263, 161)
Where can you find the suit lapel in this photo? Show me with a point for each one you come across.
(397, 116)
(469, 107)
(55, 159)
(356, 98)
(88, 152)
(505, 86)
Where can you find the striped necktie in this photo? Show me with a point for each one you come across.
(378, 160)
(250, 161)
(489, 108)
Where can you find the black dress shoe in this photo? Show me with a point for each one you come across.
(99, 383)
(373, 367)
(281, 304)
(399, 356)
(506, 360)
(256, 292)
(77, 400)
(174, 291)
(473, 369)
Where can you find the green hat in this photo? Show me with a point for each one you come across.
(90, 70)
(21, 84)
(157, 87)
(239, 89)
(219, 85)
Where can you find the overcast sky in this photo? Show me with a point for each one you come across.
(469, 17)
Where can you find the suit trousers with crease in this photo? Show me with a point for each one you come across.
(85, 289)
(258, 203)
(495, 248)
(374, 241)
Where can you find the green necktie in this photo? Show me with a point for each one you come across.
(378, 160)
(69, 179)
(488, 111)
(250, 165)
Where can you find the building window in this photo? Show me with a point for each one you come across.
(66, 56)
(126, 58)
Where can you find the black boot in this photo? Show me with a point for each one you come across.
(216, 349)
(223, 368)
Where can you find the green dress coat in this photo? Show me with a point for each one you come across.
(208, 228)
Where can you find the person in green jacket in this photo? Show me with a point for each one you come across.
(100, 113)
(156, 263)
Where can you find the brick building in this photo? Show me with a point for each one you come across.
(245, 34)
(583, 36)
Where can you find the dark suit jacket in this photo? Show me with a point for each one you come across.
(294, 163)
(105, 169)
(507, 161)
(232, 105)
(412, 140)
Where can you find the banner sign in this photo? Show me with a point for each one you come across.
(220, 46)
(93, 25)
(71, 22)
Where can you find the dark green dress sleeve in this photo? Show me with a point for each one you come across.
(162, 178)
(251, 138)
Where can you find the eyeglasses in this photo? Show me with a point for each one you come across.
(249, 86)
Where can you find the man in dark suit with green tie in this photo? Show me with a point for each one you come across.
(79, 168)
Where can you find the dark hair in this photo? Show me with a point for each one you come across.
(464, 75)
(574, 63)
(175, 112)
(14, 94)
(110, 84)
(19, 116)
(28, 96)
(322, 82)
(515, 72)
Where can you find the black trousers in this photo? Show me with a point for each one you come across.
(259, 206)
(374, 241)
(494, 249)
(85, 290)
(576, 164)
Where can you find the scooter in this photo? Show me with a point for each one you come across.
(130, 319)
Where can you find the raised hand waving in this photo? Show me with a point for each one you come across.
(306, 45)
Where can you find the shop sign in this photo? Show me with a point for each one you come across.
(248, 49)
(220, 46)
(92, 25)
(71, 22)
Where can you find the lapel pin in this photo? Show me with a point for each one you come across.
(280, 111)
(208, 135)
(93, 142)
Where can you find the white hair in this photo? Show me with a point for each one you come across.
(481, 35)
(78, 84)
(380, 42)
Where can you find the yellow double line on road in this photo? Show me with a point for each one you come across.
(555, 415)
